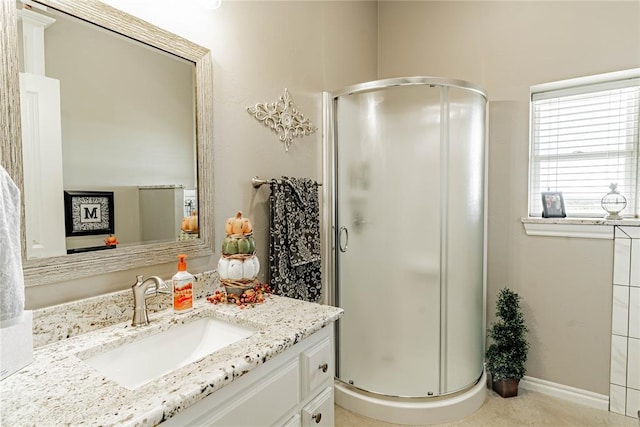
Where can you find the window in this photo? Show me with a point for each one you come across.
(584, 137)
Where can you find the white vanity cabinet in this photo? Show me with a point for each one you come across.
(293, 389)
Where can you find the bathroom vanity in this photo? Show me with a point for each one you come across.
(293, 389)
(280, 374)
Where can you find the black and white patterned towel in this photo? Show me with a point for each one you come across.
(294, 249)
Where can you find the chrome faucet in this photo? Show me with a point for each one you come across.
(142, 289)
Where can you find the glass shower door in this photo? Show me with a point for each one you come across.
(388, 231)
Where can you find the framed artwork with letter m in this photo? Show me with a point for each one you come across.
(88, 212)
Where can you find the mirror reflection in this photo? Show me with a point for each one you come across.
(103, 114)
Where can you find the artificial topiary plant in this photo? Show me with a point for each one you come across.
(507, 353)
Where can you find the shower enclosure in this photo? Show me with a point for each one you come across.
(405, 168)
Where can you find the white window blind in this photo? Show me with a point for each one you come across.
(583, 138)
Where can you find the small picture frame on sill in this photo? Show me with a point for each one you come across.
(88, 213)
(553, 205)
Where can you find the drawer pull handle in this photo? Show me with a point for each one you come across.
(317, 417)
(324, 367)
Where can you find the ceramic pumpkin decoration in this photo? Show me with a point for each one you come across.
(251, 245)
(232, 245)
(229, 246)
(223, 268)
(250, 267)
(111, 240)
(193, 221)
(190, 223)
(237, 269)
(238, 225)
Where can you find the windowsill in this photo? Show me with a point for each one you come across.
(586, 228)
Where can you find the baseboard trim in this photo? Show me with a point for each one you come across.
(576, 395)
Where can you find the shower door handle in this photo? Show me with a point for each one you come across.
(346, 243)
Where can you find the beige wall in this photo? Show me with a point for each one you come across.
(506, 47)
(259, 49)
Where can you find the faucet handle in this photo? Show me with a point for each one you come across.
(164, 287)
(157, 286)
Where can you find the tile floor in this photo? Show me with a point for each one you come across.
(527, 409)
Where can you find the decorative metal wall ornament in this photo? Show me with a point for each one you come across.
(283, 118)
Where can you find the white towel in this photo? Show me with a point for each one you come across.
(11, 278)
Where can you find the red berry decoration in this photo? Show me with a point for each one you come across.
(250, 297)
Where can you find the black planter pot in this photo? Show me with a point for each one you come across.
(506, 388)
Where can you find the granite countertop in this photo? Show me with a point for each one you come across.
(58, 388)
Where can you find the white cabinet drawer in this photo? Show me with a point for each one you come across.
(319, 412)
(265, 401)
(257, 403)
(317, 366)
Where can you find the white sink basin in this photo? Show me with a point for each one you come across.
(140, 362)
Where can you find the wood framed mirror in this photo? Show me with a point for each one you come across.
(42, 271)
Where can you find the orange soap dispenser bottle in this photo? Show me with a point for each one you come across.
(182, 287)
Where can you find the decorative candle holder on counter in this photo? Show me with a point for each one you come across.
(613, 202)
(238, 266)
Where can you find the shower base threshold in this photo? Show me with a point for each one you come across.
(410, 411)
